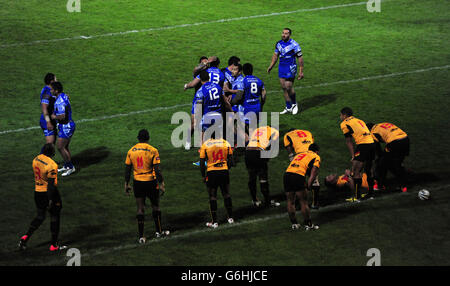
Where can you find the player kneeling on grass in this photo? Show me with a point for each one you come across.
(46, 197)
(148, 181)
(217, 153)
(303, 164)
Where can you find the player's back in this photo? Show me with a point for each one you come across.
(44, 168)
(216, 152)
(253, 87)
(62, 106)
(216, 76)
(358, 129)
(212, 97)
(387, 132)
(299, 140)
(303, 163)
(263, 137)
(143, 157)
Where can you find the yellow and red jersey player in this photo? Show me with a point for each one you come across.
(261, 139)
(396, 149)
(46, 196)
(147, 181)
(363, 154)
(296, 185)
(217, 154)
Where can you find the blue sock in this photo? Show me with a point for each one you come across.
(293, 100)
(288, 104)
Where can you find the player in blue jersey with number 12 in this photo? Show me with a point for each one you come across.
(290, 54)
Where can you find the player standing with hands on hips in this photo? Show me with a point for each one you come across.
(290, 54)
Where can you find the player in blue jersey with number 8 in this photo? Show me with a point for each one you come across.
(290, 54)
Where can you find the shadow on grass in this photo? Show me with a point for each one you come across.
(90, 156)
(318, 100)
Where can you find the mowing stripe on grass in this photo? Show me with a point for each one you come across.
(183, 25)
(237, 224)
(272, 91)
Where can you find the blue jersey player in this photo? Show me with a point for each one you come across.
(215, 74)
(252, 97)
(66, 127)
(290, 54)
(233, 63)
(47, 103)
(203, 63)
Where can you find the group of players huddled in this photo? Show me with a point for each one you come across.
(233, 89)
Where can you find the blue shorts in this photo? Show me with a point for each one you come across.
(211, 118)
(289, 71)
(66, 130)
(47, 132)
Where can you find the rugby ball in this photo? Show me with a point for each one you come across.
(424, 194)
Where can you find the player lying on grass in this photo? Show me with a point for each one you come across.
(345, 182)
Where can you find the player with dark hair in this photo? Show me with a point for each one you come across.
(47, 105)
(46, 197)
(233, 62)
(364, 152)
(304, 164)
(252, 97)
(217, 154)
(66, 127)
(147, 182)
(203, 64)
(396, 149)
(290, 54)
(345, 182)
(215, 74)
(262, 139)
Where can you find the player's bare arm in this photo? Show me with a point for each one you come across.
(203, 169)
(192, 84)
(160, 179)
(127, 179)
(300, 64)
(263, 98)
(44, 107)
(201, 66)
(312, 177)
(238, 98)
(349, 143)
(273, 62)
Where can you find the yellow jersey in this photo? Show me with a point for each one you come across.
(143, 157)
(44, 168)
(357, 129)
(387, 132)
(299, 140)
(216, 152)
(303, 163)
(262, 137)
(342, 180)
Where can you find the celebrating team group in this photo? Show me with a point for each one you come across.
(218, 92)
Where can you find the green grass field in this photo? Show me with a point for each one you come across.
(388, 66)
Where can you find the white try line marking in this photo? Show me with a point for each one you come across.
(272, 91)
(182, 25)
(242, 223)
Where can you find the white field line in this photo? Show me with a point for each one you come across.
(242, 223)
(182, 25)
(272, 91)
